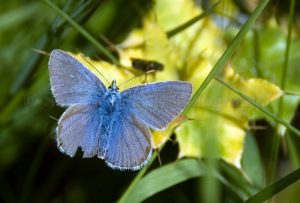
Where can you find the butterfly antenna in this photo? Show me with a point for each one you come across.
(111, 45)
(53, 118)
(39, 51)
(86, 60)
(150, 71)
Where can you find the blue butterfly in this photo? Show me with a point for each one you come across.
(105, 122)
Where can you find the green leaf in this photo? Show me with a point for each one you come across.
(223, 116)
(271, 115)
(276, 187)
(177, 172)
(251, 161)
(165, 177)
(272, 50)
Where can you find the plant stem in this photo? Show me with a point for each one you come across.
(277, 136)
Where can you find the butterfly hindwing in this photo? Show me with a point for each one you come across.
(72, 83)
(157, 104)
(129, 144)
(79, 127)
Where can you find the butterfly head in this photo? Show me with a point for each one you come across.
(113, 87)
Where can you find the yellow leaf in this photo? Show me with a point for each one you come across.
(160, 137)
(262, 91)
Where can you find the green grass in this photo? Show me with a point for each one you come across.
(31, 167)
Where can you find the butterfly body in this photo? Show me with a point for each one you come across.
(107, 123)
(110, 101)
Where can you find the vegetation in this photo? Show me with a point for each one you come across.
(237, 139)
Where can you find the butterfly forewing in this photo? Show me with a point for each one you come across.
(71, 82)
(157, 104)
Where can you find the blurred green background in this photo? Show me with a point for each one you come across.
(31, 167)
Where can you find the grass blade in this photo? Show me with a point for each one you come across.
(165, 177)
(136, 179)
(228, 53)
(187, 24)
(268, 113)
(219, 65)
(276, 142)
(175, 173)
(82, 31)
(288, 49)
(276, 187)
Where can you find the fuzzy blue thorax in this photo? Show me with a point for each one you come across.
(111, 97)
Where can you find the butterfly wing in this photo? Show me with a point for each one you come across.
(129, 144)
(78, 127)
(157, 104)
(72, 83)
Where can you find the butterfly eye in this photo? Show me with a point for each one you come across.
(113, 86)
